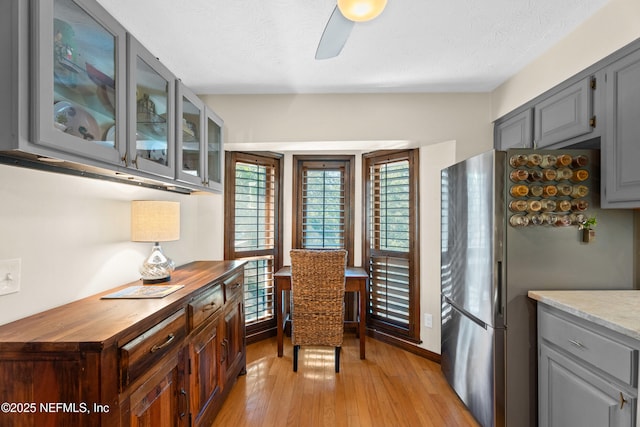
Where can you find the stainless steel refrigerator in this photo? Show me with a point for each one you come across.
(488, 351)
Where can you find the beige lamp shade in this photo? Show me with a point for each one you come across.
(361, 10)
(155, 221)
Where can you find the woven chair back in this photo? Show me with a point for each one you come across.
(317, 286)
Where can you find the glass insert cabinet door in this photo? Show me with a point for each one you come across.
(190, 136)
(79, 62)
(214, 153)
(151, 112)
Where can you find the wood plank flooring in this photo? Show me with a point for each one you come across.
(390, 388)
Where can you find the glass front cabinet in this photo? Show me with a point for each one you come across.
(83, 92)
(151, 121)
(79, 95)
(190, 136)
(214, 153)
(199, 141)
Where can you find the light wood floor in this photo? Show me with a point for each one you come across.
(390, 388)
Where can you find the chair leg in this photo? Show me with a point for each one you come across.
(338, 359)
(295, 357)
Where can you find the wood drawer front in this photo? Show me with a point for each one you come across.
(614, 358)
(233, 286)
(205, 305)
(142, 352)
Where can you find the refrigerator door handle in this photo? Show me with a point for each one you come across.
(466, 314)
(500, 290)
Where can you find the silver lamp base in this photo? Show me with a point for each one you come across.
(157, 267)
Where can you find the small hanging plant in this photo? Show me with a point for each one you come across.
(588, 224)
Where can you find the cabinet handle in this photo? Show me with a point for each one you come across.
(135, 162)
(163, 345)
(622, 400)
(183, 394)
(223, 357)
(235, 285)
(578, 344)
(209, 306)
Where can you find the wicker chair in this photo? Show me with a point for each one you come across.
(317, 287)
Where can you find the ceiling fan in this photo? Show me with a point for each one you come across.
(341, 22)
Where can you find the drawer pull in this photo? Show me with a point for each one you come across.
(622, 400)
(578, 344)
(235, 285)
(163, 345)
(209, 306)
(183, 394)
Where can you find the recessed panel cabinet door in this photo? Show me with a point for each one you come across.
(205, 371)
(79, 60)
(516, 132)
(621, 147)
(564, 115)
(161, 401)
(572, 396)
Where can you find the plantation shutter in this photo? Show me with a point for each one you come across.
(391, 243)
(323, 199)
(254, 230)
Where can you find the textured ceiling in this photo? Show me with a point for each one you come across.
(268, 46)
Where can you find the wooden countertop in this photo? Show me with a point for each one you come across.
(97, 322)
(615, 310)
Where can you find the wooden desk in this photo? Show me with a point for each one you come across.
(355, 281)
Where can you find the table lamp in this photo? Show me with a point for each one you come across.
(155, 221)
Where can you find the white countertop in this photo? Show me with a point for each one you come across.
(616, 310)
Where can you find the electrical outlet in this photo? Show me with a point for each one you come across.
(9, 276)
(428, 320)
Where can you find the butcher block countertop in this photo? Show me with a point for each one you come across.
(616, 310)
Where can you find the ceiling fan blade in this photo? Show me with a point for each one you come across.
(334, 36)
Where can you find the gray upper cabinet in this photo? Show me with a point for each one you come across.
(199, 142)
(190, 135)
(79, 71)
(82, 94)
(151, 112)
(565, 114)
(214, 152)
(515, 132)
(621, 148)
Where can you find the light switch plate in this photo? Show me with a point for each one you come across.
(9, 276)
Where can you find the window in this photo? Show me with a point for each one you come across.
(252, 224)
(323, 214)
(391, 243)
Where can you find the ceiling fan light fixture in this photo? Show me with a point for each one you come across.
(361, 10)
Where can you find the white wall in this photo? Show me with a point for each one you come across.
(346, 121)
(446, 128)
(614, 26)
(72, 235)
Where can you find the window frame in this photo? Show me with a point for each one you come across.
(412, 330)
(264, 328)
(320, 162)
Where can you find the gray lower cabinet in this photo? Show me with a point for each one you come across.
(621, 148)
(587, 375)
(564, 115)
(515, 132)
